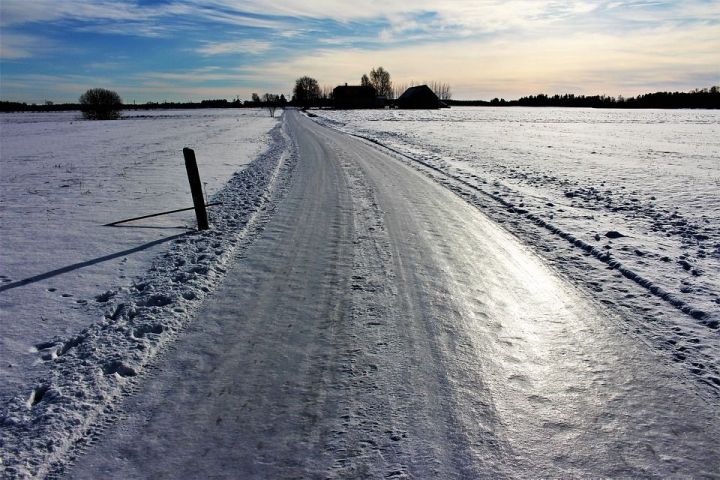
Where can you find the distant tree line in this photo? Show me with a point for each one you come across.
(6, 106)
(280, 101)
(311, 94)
(698, 98)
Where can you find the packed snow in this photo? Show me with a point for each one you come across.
(85, 307)
(618, 196)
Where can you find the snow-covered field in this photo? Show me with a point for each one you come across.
(624, 204)
(84, 308)
(62, 178)
(636, 192)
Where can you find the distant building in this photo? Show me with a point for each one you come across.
(419, 97)
(354, 96)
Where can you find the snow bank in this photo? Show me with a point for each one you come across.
(78, 376)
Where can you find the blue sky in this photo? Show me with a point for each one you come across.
(179, 50)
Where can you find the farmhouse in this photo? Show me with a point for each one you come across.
(354, 96)
(418, 97)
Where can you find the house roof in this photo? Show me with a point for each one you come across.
(417, 91)
(420, 96)
(354, 90)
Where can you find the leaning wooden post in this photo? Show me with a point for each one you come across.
(196, 188)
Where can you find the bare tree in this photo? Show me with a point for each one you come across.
(306, 91)
(326, 92)
(399, 88)
(441, 89)
(271, 102)
(380, 79)
(446, 92)
(100, 104)
(365, 81)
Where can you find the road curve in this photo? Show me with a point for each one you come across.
(381, 327)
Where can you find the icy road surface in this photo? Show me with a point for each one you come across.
(381, 327)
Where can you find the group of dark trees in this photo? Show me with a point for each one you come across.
(306, 92)
(698, 98)
(379, 79)
(271, 101)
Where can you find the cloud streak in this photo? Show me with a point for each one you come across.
(252, 47)
(16, 46)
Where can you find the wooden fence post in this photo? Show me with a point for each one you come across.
(196, 188)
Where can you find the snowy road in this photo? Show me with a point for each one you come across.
(381, 327)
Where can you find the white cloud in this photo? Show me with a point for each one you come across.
(478, 15)
(423, 19)
(252, 47)
(482, 15)
(196, 76)
(15, 46)
(109, 65)
(15, 12)
(127, 12)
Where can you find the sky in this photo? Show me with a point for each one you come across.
(188, 50)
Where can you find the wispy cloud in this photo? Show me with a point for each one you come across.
(129, 28)
(252, 47)
(16, 46)
(17, 12)
(504, 67)
(108, 65)
(479, 15)
(128, 16)
(194, 76)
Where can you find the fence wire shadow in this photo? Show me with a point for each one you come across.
(87, 263)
